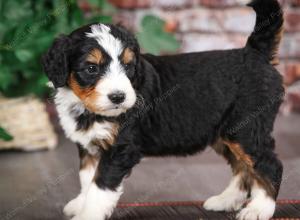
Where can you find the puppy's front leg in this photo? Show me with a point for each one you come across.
(106, 187)
(88, 165)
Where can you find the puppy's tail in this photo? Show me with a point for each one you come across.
(268, 29)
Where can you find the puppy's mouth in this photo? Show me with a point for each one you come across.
(113, 111)
(116, 109)
(113, 107)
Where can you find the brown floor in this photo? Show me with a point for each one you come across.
(192, 211)
(37, 185)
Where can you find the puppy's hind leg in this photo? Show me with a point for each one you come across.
(88, 165)
(236, 193)
(267, 174)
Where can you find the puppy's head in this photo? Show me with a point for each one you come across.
(99, 64)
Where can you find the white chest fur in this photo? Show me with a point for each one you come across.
(66, 101)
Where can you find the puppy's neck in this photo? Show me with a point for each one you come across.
(82, 126)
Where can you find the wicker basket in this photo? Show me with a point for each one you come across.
(27, 121)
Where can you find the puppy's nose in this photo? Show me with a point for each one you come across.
(117, 97)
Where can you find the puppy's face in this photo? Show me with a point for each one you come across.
(101, 66)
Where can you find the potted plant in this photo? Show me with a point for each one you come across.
(27, 29)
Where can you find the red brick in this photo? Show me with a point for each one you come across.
(292, 100)
(202, 42)
(222, 3)
(127, 18)
(205, 20)
(289, 47)
(173, 4)
(290, 71)
(295, 3)
(194, 20)
(292, 20)
(239, 20)
(131, 4)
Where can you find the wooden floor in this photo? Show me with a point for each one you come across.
(192, 211)
(36, 186)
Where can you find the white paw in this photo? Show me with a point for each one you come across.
(257, 210)
(74, 206)
(224, 203)
(99, 203)
(231, 199)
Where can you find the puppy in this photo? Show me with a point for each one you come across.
(119, 105)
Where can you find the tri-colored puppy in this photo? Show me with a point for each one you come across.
(119, 105)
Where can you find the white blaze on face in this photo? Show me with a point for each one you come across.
(115, 78)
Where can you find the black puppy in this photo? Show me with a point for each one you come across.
(119, 105)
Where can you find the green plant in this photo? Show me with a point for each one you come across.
(27, 29)
(4, 135)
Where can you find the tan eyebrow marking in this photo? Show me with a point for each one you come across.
(95, 56)
(128, 56)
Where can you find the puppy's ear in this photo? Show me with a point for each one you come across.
(55, 62)
(143, 69)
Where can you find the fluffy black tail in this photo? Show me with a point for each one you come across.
(268, 29)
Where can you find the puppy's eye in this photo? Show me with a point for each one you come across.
(128, 65)
(92, 69)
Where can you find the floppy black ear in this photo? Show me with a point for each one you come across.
(55, 61)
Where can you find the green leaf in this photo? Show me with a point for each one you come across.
(105, 6)
(24, 55)
(168, 42)
(77, 17)
(41, 86)
(7, 78)
(97, 3)
(28, 74)
(102, 19)
(4, 135)
(147, 44)
(153, 38)
(152, 23)
(17, 10)
(108, 8)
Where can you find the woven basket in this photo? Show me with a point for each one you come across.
(27, 121)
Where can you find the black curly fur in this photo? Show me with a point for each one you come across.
(55, 61)
(269, 25)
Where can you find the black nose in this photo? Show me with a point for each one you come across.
(117, 97)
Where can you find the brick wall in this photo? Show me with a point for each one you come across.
(220, 24)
